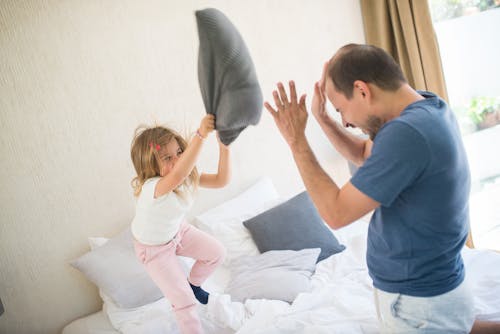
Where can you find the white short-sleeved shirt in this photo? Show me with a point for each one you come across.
(157, 220)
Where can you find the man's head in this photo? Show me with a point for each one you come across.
(353, 75)
(366, 63)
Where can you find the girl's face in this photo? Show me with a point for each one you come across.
(169, 154)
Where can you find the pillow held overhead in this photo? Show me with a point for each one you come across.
(226, 75)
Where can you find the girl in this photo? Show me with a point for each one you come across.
(166, 178)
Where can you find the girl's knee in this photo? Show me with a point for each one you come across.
(221, 252)
(217, 254)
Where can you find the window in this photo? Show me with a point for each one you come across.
(468, 34)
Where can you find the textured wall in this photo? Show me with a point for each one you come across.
(76, 78)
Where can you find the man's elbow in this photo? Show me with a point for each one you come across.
(334, 221)
(333, 224)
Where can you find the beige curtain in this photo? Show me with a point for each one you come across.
(404, 29)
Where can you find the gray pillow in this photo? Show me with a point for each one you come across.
(115, 269)
(279, 275)
(294, 224)
(226, 75)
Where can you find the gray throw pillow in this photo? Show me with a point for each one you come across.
(226, 75)
(279, 275)
(294, 224)
(115, 269)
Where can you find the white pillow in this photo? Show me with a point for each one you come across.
(157, 315)
(225, 222)
(115, 269)
(95, 242)
(245, 203)
(276, 274)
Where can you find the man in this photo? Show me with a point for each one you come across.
(413, 172)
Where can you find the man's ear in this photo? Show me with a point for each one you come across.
(361, 88)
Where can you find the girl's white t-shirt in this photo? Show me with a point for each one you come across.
(157, 220)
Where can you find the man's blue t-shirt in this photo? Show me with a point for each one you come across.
(418, 171)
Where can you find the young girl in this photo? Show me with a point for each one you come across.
(166, 178)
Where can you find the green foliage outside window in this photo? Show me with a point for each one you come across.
(484, 111)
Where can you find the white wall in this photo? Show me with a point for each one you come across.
(77, 77)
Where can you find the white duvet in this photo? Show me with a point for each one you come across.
(340, 302)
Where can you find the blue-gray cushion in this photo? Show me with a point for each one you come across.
(226, 75)
(294, 225)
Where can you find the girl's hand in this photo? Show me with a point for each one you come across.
(207, 125)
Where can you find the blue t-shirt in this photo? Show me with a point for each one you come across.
(418, 171)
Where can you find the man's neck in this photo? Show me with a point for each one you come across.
(393, 103)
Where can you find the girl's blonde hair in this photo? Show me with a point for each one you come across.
(145, 157)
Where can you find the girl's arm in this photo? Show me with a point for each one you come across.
(223, 175)
(187, 160)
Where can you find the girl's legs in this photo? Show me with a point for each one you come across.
(205, 249)
(164, 268)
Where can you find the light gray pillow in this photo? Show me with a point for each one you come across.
(226, 75)
(294, 224)
(279, 275)
(115, 269)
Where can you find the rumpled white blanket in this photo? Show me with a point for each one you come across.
(342, 298)
(340, 302)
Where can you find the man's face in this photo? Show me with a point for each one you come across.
(355, 112)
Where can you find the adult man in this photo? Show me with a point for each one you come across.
(413, 173)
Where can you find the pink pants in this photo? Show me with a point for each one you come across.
(167, 272)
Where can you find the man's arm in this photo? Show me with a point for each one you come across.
(337, 206)
(350, 146)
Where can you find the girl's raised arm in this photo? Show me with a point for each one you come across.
(185, 162)
(223, 175)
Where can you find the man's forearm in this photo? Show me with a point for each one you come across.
(348, 145)
(322, 189)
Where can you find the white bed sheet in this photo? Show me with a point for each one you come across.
(340, 302)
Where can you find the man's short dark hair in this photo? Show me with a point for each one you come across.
(367, 63)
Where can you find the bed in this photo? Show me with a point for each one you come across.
(332, 295)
